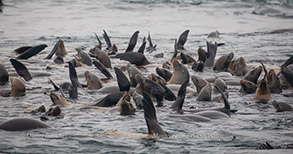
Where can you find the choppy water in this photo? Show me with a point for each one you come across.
(244, 26)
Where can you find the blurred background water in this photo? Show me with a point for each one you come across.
(247, 27)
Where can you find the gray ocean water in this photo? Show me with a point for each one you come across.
(247, 27)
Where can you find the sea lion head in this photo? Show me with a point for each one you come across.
(93, 82)
(274, 82)
(262, 91)
(125, 107)
(56, 111)
(180, 72)
(281, 107)
(238, 67)
(39, 109)
(17, 87)
(202, 54)
(199, 83)
(253, 75)
(58, 100)
(60, 51)
(247, 87)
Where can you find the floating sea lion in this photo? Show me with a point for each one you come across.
(59, 50)
(4, 77)
(132, 42)
(211, 54)
(22, 124)
(186, 59)
(21, 69)
(151, 47)
(104, 59)
(199, 83)
(182, 39)
(274, 82)
(93, 82)
(22, 49)
(214, 34)
(281, 106)
(223, 62)
(212, 114)
(103, 69)
(247, 87)
(17, 87)
(85, 58)
(205, 94)
(164, 73)
(133, 57)
(238, 67)
(288, 74)
(180, 73)
(32, 51)
(55, 111)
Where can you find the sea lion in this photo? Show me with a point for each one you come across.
(182, 39)
(288, 74)
(253, 74)
(205, 94)
(180, 73)
(213, 114)
(4, 77)
(220, 83)
(59, 60)
(167, 65)
(151, 47)
(157, 78)
(281, 106)
(104, 59)
(55, 111)
(198, 66)
(211, 54)
(132, 71)
(199, 83)
(164, 73)
(223, 62)
(22, 124)
(263, 89)
(110, 100)
(103, 69)
(247, 87)
(186, 59)
(138, 100)
(21, 69)
(142, 47)
(133, 57)
(41, 109)
(274, 82)
(22, 49)
(125, 107)
(152, 88)
(132, 42)
(214, 34)
(17, 87)
(111, 49)
(93, 82)
(84, 58)
(32, 51)
(59, 50)
(238, 67)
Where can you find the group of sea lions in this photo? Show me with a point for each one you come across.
(171, 83)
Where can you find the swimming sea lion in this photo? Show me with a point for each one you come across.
(247, 87)
(93, 82)
(22, 124)
(17, 87)
(32, 51)
(182, 39)
(205, 94)
(223, 62)
(84, 58)
(281, 106)
(103, 69)
(212, 114)
(133, 57)
(199, 83)
(274, 82)
(132, 42)
(288, 74)
(151, 47)
(186, 59)
(104, 59)
(238, 67)
(58, 50)
(4, 77)
(21, 69)
(22, 49)
(164, 73)
(211, 54)
(56, 111)
(138, 100)
(180, 73)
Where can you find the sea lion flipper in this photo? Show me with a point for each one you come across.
(73, 76)
(54, 85)
(178, 104)
(169, 94)
(264, 69)
(175, 50)
(150, 116)
(103, 69)
(4, 76)
(123, 83)
(182, 39)
(50, 55)
(32, 51)
(142, 47)
(227, 104)
(289, 61)
(288, 74)
(132, 42)
(21, 69)
(99, 41)
(107, 39)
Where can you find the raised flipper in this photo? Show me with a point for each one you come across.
(99, 41)
(123, 83)
(73, 76)
(4, 76)
(211, 54)
(178, 104)
(21, 69)
(134, 58)
(169, 94)
(132, 42)
(264, 69)
(103, 69)
(226, 102)
(110, 100)
(107, 39)
(288, 74)
(32, 51)
(182, 39)
(175, 50)
(265, 146)
(50, 55)
(150, 116)
(151, 47)
(289, 61)
(22, 49)
(142, 47)
(54, 85)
